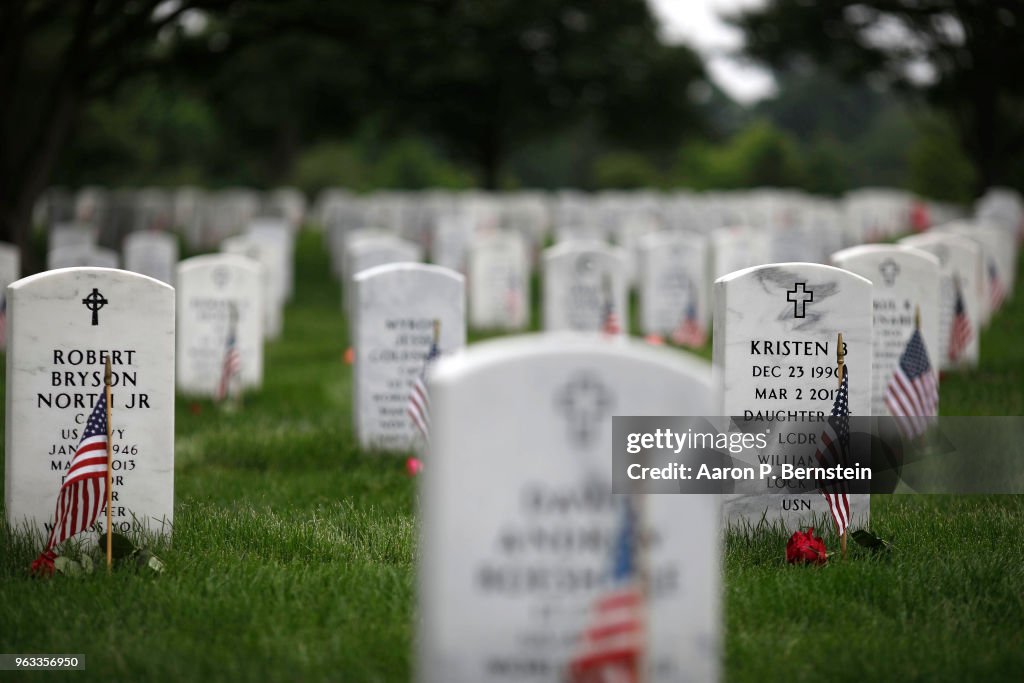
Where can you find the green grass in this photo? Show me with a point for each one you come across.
(294, 553)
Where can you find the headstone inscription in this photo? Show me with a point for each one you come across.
(218, 294)
(774, 350)
(960, 262)
(523, 543)
(585, 288)
(65, 325)
(673, 294)
(499, 282)
(905, 293)
(396, 310)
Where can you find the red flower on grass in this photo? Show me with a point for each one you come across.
(413, 466)
(805, 548)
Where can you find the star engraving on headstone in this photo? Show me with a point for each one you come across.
(585, 401)
(800, 296)
(889, 270)
(94, 302)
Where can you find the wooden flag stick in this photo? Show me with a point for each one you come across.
(839, 361)
(110, 487)
(917, 318)
(437, 331)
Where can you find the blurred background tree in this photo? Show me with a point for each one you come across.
(500, 94)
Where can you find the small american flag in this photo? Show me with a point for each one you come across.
(835, 443)
(612, 645)
(418, 407)
(996, 290)
(912, 394)
(513, 299)
(84, 491)
(689, 332)
(232, 364)
(960, 331)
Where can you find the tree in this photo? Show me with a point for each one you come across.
(55, 56)
(958, 55)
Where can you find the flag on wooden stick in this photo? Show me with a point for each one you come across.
(232, 365)
(996, 290)
(834, 446)
(960, 330)
(418, 406)
(912, 394)
(612, 646)
(609, 318)
(84, 491)
(689, 332)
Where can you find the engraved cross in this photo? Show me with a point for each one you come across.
(94, 302)
(800, 296)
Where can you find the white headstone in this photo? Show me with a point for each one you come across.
(369, 252)
(775, 332)
(395, 308)
(499, 282)
(64, 325)
(905, 281)
(519, 525)
(152, 253)
(271, 280)
(72, 235)
(585, 284)
(81, 256)
(960, 261)
(672, 277)
(279, 239)
(211, 289)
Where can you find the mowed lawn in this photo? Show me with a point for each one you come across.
(294, 553)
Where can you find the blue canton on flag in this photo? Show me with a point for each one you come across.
(912, 394)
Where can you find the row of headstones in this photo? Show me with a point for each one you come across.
(622, 216)
(204, 219)
(528, 560)
(585, 282)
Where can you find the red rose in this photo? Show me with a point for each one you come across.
(805, 548)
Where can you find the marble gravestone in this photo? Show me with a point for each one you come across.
(271, 279)
(905, 280)
(450, 240)
(737, 248)
(214, 291)
(519, 526)
(370, 252)
(395, 308)
(279, 240)
(151, 253)
(499, 282)
(65, 324)
(999, 262)
(672, 278)
(10, 270)
(81, 256)
(584, 282)
(774, 351)
(71, 235)
(960, 263)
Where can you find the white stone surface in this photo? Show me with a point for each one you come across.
(672, 276)
(81, 256)
(580, 280)
(904, 280)
(520, 454)
(152, 253)
(499, 282)
(272, 276)
(961, 261)
(775, 331)
(208, 288)
(395, 307)
(55, 373)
